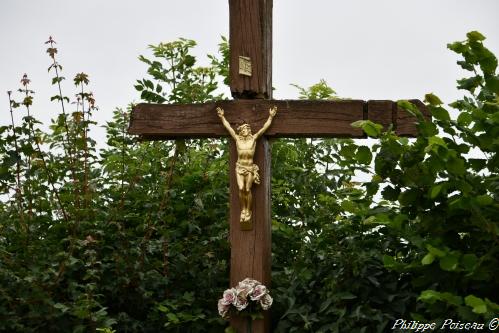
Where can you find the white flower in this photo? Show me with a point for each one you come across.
(266, 302)
(223, 308)
(240, 296)
(229, 296)
(248, 282)
(258, 292)
(244, 288)
(241, 302)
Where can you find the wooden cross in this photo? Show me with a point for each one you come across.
(251, 86)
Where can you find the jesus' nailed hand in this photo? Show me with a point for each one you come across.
(246, 170)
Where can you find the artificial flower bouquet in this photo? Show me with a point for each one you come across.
(248, 298)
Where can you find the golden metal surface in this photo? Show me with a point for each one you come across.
(246, 170)
(244, 66)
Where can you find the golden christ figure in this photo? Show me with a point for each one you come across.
(246, 170)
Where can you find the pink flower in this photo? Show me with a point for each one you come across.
(244, 290)
(258, 292)
(241, 302)
(248, 282)
(25, 81)
(266, 302)
(223, 309)
(229, 297)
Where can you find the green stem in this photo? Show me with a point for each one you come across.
(66, 145)
(19, 197)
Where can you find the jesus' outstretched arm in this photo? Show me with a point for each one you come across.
(272, 113)
(226, 124)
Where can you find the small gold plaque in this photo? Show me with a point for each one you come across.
(245, 66)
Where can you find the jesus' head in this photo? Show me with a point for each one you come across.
(244, 130)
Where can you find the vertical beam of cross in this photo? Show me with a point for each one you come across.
(250, 41)
(250, 69)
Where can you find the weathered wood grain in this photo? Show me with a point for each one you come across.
(405, 122)
(295, 118)
(381, 112)
(250, 35)
(251, 250)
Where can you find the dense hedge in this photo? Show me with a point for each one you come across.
(133, 237)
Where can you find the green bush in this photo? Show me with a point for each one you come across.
(133, 237)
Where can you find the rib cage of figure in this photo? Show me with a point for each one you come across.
(246, 170)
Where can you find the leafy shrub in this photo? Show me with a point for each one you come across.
(133, 237)
(428, 249)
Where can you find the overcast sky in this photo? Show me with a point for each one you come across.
(384, 49)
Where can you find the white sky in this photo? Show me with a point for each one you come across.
(384, 49)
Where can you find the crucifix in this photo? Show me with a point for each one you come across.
(251, 86)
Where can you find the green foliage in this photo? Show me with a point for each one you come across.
(175, 67)
(133, 237)
(115, 238)
(317, 91)
(221, 65)
(327, 269)
(448, 199)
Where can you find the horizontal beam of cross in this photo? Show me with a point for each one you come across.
(295, 118)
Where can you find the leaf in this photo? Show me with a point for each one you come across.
(457, 47)
(435, 190)
(432, 99)
(408, 197)
(451, 298)
(230, 329)
(363, 155)
(465, 65)
(436, 252)
(427, 129)
(57, 79)
(325, 304)
(429, 296)
(477, 164)
(484, 200)
(348, 151)
(469, 261)
(486, 59)
(349, 206)
(436, 140)
(189, 60)
(440, 113)
(475, 36)
(346, 295)
(389, 261)
(469, 84)
(492, 83)
(449, 262)
(370, 128)
(390, 193)
(411, 108)
(464, 119)
(456, 166)
(476, 303)
(61, 307)
(149, 84)
(428, 259)
(358, 123)
(172, 318)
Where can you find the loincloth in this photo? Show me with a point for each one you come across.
(243, 170)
